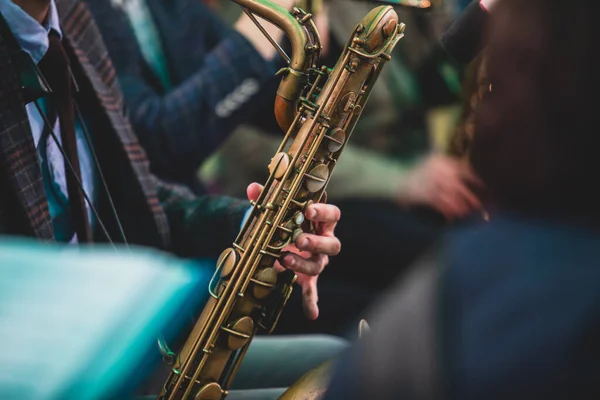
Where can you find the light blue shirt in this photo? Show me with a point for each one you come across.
(33, 39)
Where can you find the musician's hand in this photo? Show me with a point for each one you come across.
(310, 254)
(444, 184)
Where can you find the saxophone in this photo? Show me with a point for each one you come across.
(247, 294)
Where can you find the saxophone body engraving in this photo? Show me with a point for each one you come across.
(319, 108)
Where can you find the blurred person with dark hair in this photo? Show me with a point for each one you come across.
(509, 309)
(469, 27)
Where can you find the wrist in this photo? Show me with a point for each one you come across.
(407, 189)
(404, 196)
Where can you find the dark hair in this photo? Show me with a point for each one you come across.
(474, 86)
(538, 130)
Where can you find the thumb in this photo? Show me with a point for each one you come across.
(253, 191)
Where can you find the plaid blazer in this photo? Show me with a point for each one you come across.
(217, 76)
(153, 213)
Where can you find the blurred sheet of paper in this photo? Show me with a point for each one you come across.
(75, 323)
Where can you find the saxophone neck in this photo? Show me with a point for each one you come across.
(305, 50)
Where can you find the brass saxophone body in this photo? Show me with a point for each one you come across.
(247, 294)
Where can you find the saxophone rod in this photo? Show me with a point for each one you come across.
(264, 32)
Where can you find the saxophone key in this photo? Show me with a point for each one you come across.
(263, 283)
(298, 218)
(317, 178)
(297, 234)
(306, 205)
(238, 332)
(401, 28)
(336, 140)
(279, 165)
(227, 262)
(210, 391)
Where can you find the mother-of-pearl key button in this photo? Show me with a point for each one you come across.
(279, 164)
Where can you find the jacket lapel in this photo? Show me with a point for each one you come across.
(18, 156)
(82, 34)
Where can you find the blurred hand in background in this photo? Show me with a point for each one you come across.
(443, 183)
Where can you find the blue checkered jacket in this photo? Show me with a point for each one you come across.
(215, 72)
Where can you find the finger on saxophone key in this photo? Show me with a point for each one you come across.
(311, 266)
(318, 244)
(326, 215)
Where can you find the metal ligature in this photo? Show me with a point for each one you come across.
(318, 108)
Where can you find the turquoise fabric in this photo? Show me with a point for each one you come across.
(83, 320)
(148, 38)
(58, 202)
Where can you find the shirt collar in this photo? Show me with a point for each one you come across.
(30, 35)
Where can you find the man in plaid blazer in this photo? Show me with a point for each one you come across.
(152, 213)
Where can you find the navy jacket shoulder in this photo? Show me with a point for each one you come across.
(519, 304)
(523, 310)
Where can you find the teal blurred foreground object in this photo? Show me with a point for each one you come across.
(78, 323)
